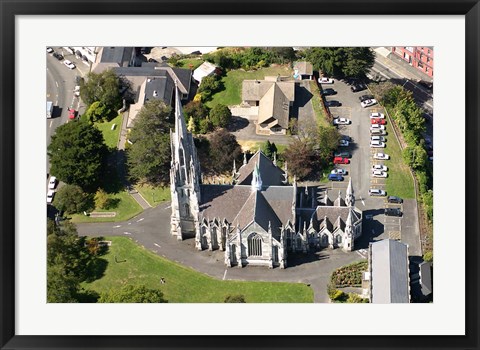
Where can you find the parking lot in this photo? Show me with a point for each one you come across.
(376, 225)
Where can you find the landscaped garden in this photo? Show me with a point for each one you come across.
(131, 264)
(347, 276)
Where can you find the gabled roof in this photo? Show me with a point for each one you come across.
(254, 90)
(204, 70)
(303, 67)
(274, 105)
(337, 215)
(271, 174)
(389, 272)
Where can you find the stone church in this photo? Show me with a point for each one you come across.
(260, 217)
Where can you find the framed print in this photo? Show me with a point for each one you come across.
(317, 259)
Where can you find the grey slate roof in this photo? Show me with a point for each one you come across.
(334, 214)
(271, 175)
(304, 68)
(118, 54)
(389, 277)
(223, 201)
(160, 87)
(426, 277)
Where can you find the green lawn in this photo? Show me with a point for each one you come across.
(154, 195)
(184, 285)
(110, 136)
(232, 81)
(399, 181)
(317, 104)
(126, 209)
(192, 63)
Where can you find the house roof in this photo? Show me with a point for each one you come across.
(426, 277)
(271, 174)
(389, 272)
(117, 54)
(274, 107)
(303, 67)
(204, 70)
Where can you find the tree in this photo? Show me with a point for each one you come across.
(300, 158)
(133, 294)
(77, 154)
(269, 149)
(101, 199)
(236, 298)
(195, 109)
(220, 116)
(224, 148)
(148, 157)
(72, 199)
(103, 87)
(98, 111)
(416, 157)
(209, 86)
(62, 287)
(326, 142)
(342, 61)
(191, 127)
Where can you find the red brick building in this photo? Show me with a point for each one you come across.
(420, 57)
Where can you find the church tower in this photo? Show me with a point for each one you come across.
(184, 177)
(350, 197)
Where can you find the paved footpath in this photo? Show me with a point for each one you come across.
(151, 229)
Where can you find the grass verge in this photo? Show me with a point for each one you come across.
(183, 284)
(317, 105)
(154, 195)
(111, 136)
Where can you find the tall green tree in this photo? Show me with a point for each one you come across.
(103, 87)
(77, 154)
(72, 199)
(62, 286)
(148, 157)
(220, 116)
(342, 61)
(269, 148)
(224, 148)
(326, 142)
(133, 294)
(300, 158)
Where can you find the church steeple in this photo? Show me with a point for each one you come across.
(256, 179)
(350, 198)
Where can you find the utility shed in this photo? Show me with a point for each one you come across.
(389, 272)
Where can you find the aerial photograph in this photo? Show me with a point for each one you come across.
(239, 174)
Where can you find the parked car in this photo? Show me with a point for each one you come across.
(328, 92)
(346, 138)
(368, 103)
(378, 121)
(377, 144)
(377, 115)
(378, 138)
(340, 160)
(377, 126)
(69, 64)
(381, 156)
(379, 173)
(426, 84)
(333, 103)
(335, 177)
(339, 171)
(378, 132)
(49, 50)
(325, 80)
(365, 97)
(376, 192)
(50, 195)
(52, 183)
(71, 113)
(343, 154)
(393, 212)
(341, 121)
(380, 167)
(394, 199)
(358, 87)
(58, 56)
(343, 143)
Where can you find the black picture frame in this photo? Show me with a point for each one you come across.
(10, 9)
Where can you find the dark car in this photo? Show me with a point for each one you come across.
(342, 154)
(328, 92)
(393, 212)
(426, 84)
(346, 138)
(358, 87)
(333, 103)
(365, 97)
(394, 199)
(335, 177)
(58, 56)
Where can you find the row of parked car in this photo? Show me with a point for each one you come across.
(52, 185)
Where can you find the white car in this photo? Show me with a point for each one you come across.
(379, 173)
(377, 115)
(376, 192)
(377, 144)
(341, 121)
(381, 156)
(69, 64)
(377, 127)
(325, 80)
(50, 195)
(368, 103)
(380, 167)
(49, 50)
(52, 183)
(378, 138)
(344, 143)
(378, 132)
(339, 171)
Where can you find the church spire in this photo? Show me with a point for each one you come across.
(350, 198)
(180, 127)
(256, 179)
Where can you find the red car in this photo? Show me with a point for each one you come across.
(340, 160)
(71, 113)
(378, 121)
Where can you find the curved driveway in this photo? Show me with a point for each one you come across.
(151, 229)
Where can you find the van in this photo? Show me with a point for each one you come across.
(49, 109)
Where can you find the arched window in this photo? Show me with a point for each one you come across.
(324, 239)
(339, 239)
(254, 245)
(186, 209)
